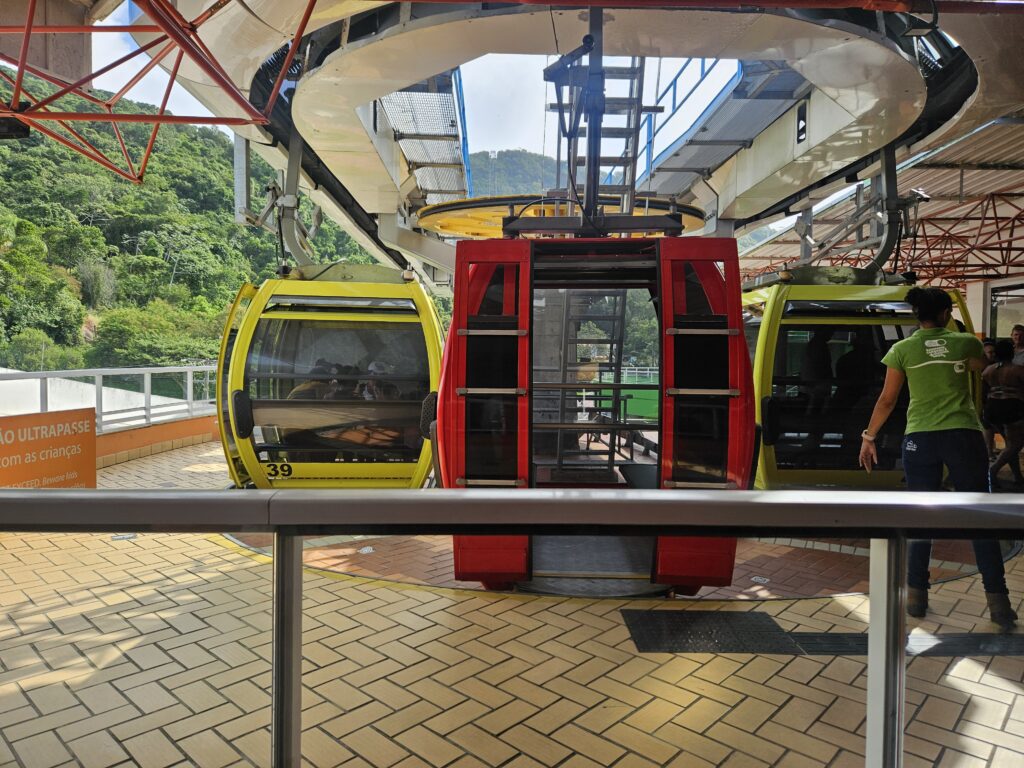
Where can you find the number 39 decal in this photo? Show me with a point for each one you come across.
(278, 470)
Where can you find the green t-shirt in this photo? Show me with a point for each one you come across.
(935, 361)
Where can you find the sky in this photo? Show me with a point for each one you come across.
(511, 115)
(107, 47)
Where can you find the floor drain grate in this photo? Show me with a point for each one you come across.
(753, 632)
(707, 632)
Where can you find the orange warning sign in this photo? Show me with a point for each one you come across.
(48, 450)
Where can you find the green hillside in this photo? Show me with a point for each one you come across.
(96, 271)
(511, 172)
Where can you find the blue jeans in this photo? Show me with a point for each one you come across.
(963, 453)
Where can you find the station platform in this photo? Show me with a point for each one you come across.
(153, 650)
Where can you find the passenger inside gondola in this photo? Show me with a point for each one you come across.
(329, 410)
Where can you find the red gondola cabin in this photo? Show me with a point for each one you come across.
(596, 363)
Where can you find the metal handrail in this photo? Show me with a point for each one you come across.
(690, 512)
(147, 412)
(888, 518)
(85, 372)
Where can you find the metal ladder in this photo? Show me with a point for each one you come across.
(617, 170)
(576, 313)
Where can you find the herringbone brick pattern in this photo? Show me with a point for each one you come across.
(153, 651)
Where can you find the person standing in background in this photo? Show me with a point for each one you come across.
(989, 431)
(1004, 409)
(943, 431)
(1017, 337)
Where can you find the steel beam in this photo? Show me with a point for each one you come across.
(243, 179)
(594, 106)
(970, 166)
(399, 136)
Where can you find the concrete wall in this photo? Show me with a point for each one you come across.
(66, 56)
(131, 444)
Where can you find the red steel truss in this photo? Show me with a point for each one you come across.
(979, 238)
(975, 239)
(176, 38)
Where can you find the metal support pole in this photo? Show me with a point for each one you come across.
(291, 229)
(44, 394)
(807, 235)
(286, 719)
(99, 402)
(190, 384)
(147, 395)
(889, 194)
(858, 202)
(243, 175)
(887, 642)
(594, 106)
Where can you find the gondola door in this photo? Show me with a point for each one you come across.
(486, 407)
(707, 408)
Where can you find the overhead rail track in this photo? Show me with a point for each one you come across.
(888, 519)
(893, 6)
(178, 38)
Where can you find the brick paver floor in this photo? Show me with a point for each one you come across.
(152, 650)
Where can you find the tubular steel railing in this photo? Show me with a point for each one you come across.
(887, 518)
(123, 397)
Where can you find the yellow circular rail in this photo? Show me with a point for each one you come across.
(481, 217)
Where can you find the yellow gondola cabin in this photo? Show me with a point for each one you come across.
(817, 352)
(321, 378)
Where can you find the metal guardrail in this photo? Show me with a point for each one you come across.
(634, 374)
(887, 518)
(181, 392)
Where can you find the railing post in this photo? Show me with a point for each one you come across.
(887, 642)
(189, 384)
(147, 393)
(286, 718)
(44, 394)
(99, 401)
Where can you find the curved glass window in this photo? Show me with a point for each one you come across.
(331, 390)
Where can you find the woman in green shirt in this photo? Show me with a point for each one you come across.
(943, 431)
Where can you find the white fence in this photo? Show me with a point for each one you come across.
(122, 397)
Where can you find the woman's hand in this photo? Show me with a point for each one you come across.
(868, 454)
